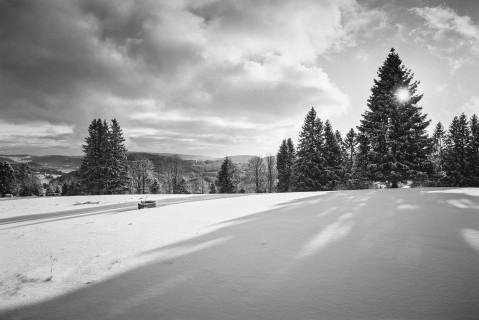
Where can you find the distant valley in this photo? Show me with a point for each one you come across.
(58, 164)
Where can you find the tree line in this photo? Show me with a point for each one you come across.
(19, 180)
(391, 146)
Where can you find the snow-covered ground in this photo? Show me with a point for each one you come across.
(370, 254)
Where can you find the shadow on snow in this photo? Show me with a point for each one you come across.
(369, 254)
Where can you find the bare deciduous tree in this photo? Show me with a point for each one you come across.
(255, 170)
(171, 172)
(141, 171)
(270, 172)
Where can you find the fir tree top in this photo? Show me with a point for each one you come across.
(392, 77)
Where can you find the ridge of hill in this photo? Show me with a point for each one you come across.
(67, 164)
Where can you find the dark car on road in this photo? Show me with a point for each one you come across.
(147, 204)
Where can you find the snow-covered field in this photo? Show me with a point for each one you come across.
(371, 254)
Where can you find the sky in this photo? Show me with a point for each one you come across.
(217, 77)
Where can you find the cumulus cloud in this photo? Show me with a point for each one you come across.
(176, 74)
(455, 37)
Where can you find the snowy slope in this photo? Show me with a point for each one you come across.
(371, 254)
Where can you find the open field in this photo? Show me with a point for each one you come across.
(370, 254)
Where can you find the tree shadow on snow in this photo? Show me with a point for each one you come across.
(369, 254)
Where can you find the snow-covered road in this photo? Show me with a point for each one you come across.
(371, 254)
(58, 215)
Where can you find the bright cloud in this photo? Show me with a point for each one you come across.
(455, 37)
(442, 20)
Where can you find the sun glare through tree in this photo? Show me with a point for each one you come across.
(402, 95)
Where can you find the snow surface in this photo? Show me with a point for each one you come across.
(370, 254)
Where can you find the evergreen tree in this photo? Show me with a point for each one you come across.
(332, 157)
(226, 175)
(362, 157)
(458, 153)
(105, 158)
(155, 186)
(291, 154)
(350, 145)
(104, 167)
(118, 163)
(438, 146)
(310, 164)
(94, 168)
(340, 140)
(282, 166)
(212, 187)
(7, 178)
(474, 159)
(392, 134)
(65, 188)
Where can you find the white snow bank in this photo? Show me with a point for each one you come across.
(369, 254)
(465, 191)
(46, 251)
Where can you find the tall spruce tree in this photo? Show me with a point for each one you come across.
(332, 157)
(104, 167)
(392, 135)
(282, 166)
(226, 179)
(309, 167)
(474, 159)
(95, 164)
(340, 140)
(284, 163)
(350, 144)
(290, 162)
(438, 146)
(105, 159)
(118, 176)
(457, 155)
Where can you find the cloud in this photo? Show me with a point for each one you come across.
(37, 137)
(442, 20)
(245, 64)
(362, 56)
(440, 88)
(455, 37)
(471, 107)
